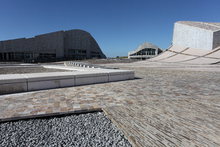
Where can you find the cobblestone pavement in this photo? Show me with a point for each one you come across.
(166, 105)
(150, 83)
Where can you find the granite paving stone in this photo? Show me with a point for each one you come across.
(161, 91)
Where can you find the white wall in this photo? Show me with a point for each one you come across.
(216, 40)
(189, 36)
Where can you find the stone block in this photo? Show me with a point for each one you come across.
(13, 88)
(91, 78)
(120, 76)
(48, 84)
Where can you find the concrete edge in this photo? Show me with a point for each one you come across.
(32, 82)
(48, 115)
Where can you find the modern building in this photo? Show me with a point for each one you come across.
(144, 51)
(61, 45)
(199, 35)
(193, 43)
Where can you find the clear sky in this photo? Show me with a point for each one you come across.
(117, 25)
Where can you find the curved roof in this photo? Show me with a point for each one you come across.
(80, 39)
(143, 46)
(78, 31)
(146, 45)
(56, 41)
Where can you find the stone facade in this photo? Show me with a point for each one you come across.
(198, 35)
(73, 44)
(216, 39)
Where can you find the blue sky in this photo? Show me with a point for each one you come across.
(117, 25)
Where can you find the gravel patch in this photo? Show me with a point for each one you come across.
(91, 129)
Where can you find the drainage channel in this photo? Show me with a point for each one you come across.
(82, 129)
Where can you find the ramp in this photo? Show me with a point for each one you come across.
(177, 54)
(171, 52)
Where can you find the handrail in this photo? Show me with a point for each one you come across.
(85, 65)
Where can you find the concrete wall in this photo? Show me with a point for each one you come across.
(13, 45)
(46, 43)
(50, 43)
(12, 83)
(50, 46)
(77, 39)
(216, 39)
(81, 40)
(194, 37)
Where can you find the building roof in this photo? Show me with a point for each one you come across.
(146, 45)
(213, 26)
(143, 46)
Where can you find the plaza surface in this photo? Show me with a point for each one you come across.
(166, 105)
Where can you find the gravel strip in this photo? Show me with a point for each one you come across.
(91, 129)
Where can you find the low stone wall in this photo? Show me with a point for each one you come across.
(12, 83)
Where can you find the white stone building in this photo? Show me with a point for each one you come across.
(200, 35)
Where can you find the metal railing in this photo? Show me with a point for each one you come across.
(85, 65)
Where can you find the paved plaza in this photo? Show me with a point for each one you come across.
(158, 88)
